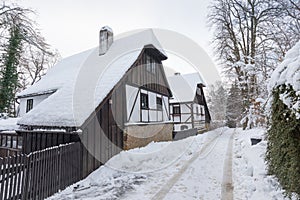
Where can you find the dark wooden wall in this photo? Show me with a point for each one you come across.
(139, 76)
(200, 99)
(102, 134)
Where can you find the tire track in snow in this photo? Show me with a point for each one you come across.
(227, 186)
(167, 187)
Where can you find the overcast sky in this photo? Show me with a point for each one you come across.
(72, 26)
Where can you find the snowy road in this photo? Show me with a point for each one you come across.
(200, 177)
(203, 177)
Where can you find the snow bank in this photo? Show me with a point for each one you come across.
(249, 168)
(9, 124)
(288, 73)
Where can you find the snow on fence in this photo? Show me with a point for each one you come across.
(41, 173)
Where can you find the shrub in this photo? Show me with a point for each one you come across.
(283, 150)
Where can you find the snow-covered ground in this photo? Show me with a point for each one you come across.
(193, 168)
(249, 170)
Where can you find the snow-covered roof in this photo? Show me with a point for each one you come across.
(82, 81)
(184, 86)
(9, 124)
(106, 28)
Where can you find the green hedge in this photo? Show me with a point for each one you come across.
(283, 151)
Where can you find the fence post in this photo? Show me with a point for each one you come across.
(2, 164)
(21, 172)
(16, 174)
(26, 177)
(59, 167)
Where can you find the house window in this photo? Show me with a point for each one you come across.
(176, 110)
(148, 64)
(202, 113)
(152, 63)
(144, 101)
(158, 103)
(29, 105)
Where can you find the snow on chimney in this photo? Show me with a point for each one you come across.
(106, 39)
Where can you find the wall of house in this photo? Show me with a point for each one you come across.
(142, 134)
(190, 116)
(148, 73)
(198, 114)
(193, 114)
(36, 100)
(137, 114)
(200, 99)
(102, 133)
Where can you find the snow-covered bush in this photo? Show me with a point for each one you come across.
(254, 114)
(4, 116)
(284, 114)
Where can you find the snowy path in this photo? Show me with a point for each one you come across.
(203, 178)
(199, 177)
(168, 186)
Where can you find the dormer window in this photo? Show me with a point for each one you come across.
(29, 105)
(150, 64)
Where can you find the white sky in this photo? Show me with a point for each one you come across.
(72, 26)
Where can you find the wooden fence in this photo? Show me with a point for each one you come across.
(10, 144)
(41, 173)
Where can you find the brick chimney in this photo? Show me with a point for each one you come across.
(106, 38)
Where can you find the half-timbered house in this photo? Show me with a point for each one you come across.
(112, 97)
(188, 106)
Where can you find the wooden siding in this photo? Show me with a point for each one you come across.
(154, 81)
(102, 134)
(202, 101)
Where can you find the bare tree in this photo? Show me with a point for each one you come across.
(251, 38)
(24, 53)
(216, 99)
(34, 65)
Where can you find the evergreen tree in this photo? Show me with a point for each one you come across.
(24, 54)
(283, 148)
(217, 97)
(9, 74)
(234, 107)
